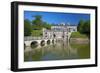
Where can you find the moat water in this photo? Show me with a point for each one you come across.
(58, 51)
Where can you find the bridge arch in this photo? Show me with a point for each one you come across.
(53, 41)
(42, 43)
(34, 44)
(48, 41)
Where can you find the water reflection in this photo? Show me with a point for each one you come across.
(58, 51)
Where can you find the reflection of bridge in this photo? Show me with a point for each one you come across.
(28, 41)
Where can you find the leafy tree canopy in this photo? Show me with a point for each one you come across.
(27, 27)
(38, 23)
(84, 27)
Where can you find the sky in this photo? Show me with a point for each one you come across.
(57, 17)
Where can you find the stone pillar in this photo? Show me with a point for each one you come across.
(44, 31)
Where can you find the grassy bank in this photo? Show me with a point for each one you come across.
(78, 35)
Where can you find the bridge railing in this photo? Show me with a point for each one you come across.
(28, 38)
(32, 38)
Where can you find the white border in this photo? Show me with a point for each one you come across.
(22, 64)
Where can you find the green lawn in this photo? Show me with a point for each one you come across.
(77, 35)
(37, 33)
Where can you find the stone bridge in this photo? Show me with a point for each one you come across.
(41, 41)
(29, 41)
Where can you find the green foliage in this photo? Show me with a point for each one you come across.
(36, 28)
(78, 35)
(38, 20)
(38, 23)
(80, 26)
(84, 27)
(27, 28)
(46, 25)
(36, 33)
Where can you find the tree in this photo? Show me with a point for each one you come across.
(27, 28)
(80, 26)
(46, 25)
(84, 27)
(37, 22)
